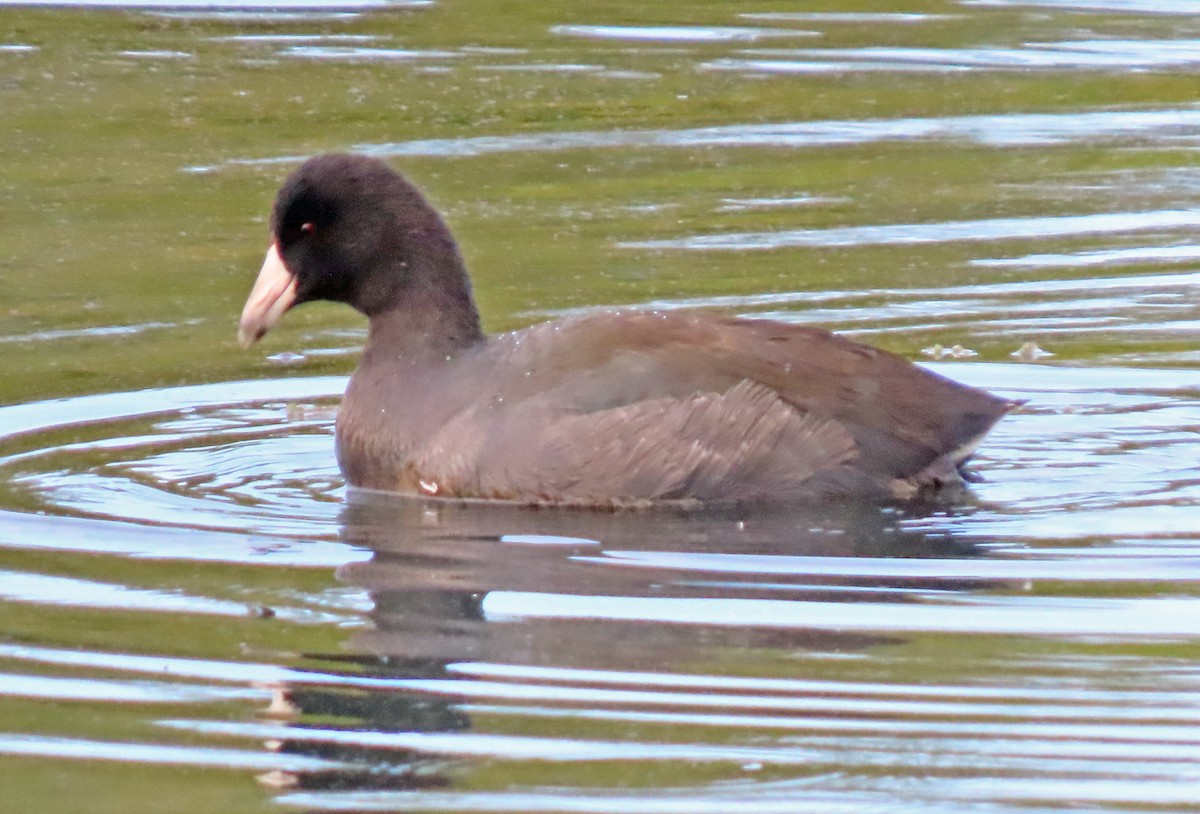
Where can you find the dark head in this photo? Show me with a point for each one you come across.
(350, 229)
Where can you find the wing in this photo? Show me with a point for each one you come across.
(903, 419)
(745, 444)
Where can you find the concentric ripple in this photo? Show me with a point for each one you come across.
(753, 648)
(191, 460)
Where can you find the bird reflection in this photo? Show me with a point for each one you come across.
(438, 567)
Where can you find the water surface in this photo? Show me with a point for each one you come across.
(197, 615)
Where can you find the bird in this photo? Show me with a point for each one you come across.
(613, 408)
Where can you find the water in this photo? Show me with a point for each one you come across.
(197, 615)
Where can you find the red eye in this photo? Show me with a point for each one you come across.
(308, 228)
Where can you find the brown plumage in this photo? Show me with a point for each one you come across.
(613, 408)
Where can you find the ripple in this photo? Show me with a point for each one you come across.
(278, 39)
(132, 752)
(35, 532)
(1108, 618)
(455, 594)
(1187, 7)
(332, 52)
(545, 67)
(745, 204)
(966, 294)
(1124, 304)
(664, 33)
(853, 17)
(159, 54)
(1007, 130)
(228, 6)
(940, 232)
(68, 592)
(261, 16)
(276, 485)
(223, 472)
(214, 473)
(20, 419)
(793, 67)
(247, 470)
(1105, 736)
(1069, 55)
(744, 799)
(122, 692)
(234, 672)
(502, 746)
(1098, 568)
(587, 801)
(1104, 257)
(527, 674)
(105, 331)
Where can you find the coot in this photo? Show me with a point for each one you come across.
(613, 408)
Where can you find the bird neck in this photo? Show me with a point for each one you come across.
(430, 320)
